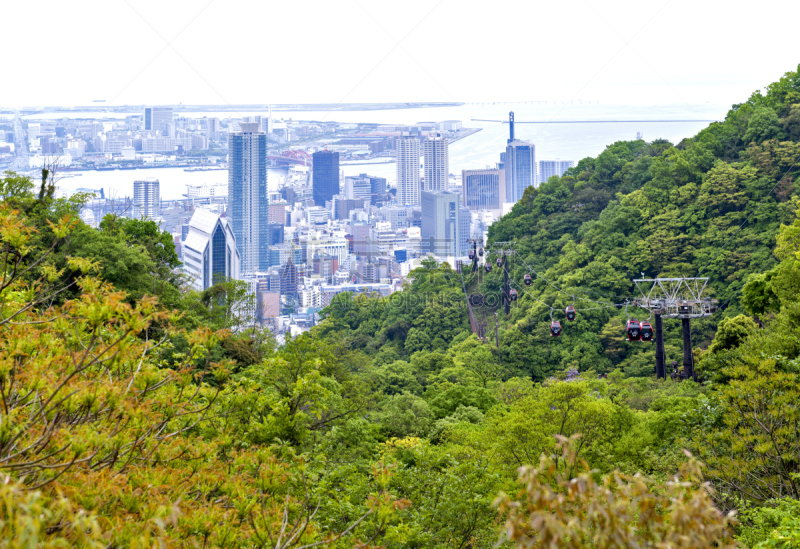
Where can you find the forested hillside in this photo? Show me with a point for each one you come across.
(135, 413)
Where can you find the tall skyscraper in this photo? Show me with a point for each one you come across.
(146, 199)
(549, 168)
(210, 254)
(445, 224)
(482, 189)
(520, 168)
(158, 119)
(519, 164)
(325, 179)
(408, 191)
(213, 129)
(247, 195)
(436, 163)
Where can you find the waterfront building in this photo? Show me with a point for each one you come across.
(408, 190)
(158, 119)
(213, 128)
(436, 164)
(146, 199)
(247, 194)
(520, 168)
(209, 250)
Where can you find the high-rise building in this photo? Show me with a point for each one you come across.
(519, 164)
(520, 168)
(146, 199)
(247, 195)
(158, 119)
(209, 250)
(482, 189)
(443, 223)
(325, 176)
(549, 168)
(213, 128)
(378, 189)
(436, 164)
(408, 191)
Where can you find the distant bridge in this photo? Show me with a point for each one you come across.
(292, 157)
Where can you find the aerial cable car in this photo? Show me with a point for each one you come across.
(555, 328)
(471, 255)
(647, 331)
(480, 252)
(570, 310)
(499, 261)
(528, 280)
(488, 268)
(633, 330)
(512, 294)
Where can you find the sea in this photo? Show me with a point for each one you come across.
(559, 130)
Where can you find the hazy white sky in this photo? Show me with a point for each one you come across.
(265, 51)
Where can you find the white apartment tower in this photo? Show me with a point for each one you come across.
(213, 128)
(408, 191)
(146, 199)
(436, 162)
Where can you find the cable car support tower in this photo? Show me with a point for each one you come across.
(674, 298)
(503, 250)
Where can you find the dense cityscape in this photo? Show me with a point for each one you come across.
(418, 275)
(315, 232)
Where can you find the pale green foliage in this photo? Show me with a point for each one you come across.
(555, 510)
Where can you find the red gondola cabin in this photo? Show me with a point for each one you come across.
(528, 280)
(471, 255)
(633, 331)
(487, 268)
(570, 313)
(647, 331)
(499, 262)
(512, 294)
(555, 328)
(480, 252)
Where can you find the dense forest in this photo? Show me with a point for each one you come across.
(136, 413)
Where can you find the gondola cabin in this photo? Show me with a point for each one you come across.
(633, 331)
(480, 252)
(487, 268)
(555, 328)
(528, 280)
(647, 331)
(570, 313)
(512, 294)
(499, 262)
(471, 255)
